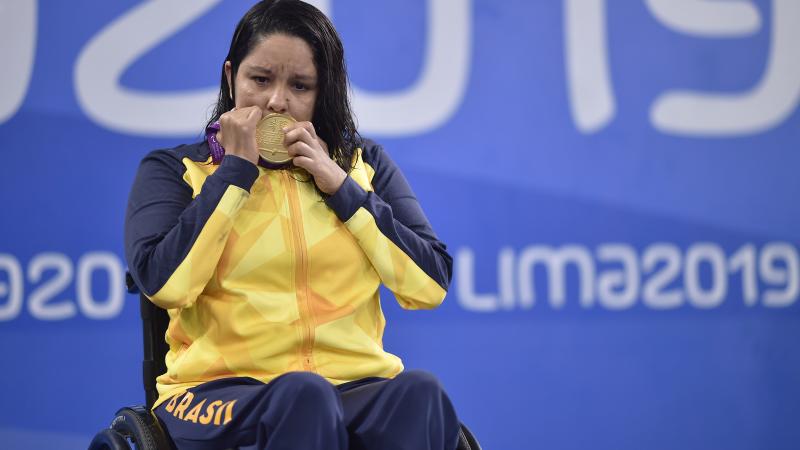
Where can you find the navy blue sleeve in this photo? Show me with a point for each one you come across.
(163, 221)
(397, 214)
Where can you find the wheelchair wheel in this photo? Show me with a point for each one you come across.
(109, 439)
(466, 440)
(138, 425)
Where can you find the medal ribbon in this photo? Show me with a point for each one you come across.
(218, 151)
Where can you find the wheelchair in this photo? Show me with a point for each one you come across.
(135, 427)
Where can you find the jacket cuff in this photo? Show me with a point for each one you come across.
(237, 171)
(346, 201)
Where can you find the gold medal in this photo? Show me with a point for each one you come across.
(269, 137)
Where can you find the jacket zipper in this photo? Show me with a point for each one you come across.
(301, 273)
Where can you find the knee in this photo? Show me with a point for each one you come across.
(307, 387)
(420, 389)
(419, 381)
(416, 414)
(306, 384)
(305, 412)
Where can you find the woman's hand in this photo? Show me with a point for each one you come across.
(237, 132)
(311, 153)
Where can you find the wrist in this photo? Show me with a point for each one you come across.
(346, 201)
(339, 180)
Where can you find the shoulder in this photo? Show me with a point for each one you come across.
(174, 157)
(385, 176)
(375, 156)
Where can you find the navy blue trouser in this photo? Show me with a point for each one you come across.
(301, 410)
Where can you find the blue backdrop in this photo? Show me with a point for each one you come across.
(616, 181)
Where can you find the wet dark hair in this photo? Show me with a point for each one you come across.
(333, 116)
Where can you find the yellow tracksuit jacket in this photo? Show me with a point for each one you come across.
(261, 276)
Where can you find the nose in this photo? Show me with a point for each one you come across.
(278, 101)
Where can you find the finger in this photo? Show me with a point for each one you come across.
(291, 127)
(304, 162)
(300, 149)
(324, 145)
(298, 134)
(233, 114)
(308, 126)
(248, 111)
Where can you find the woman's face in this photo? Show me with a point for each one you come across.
(279, 76)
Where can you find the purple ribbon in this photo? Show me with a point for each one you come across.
(218, 151)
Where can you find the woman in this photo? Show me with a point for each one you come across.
(270, 274)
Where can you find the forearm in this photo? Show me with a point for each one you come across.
(173, 241)
(397, 239)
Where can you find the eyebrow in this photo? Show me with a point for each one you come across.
(267, 71)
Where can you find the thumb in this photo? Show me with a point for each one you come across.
(254, 114)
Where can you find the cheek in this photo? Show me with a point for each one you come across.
(305, 109)
(247, 96)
